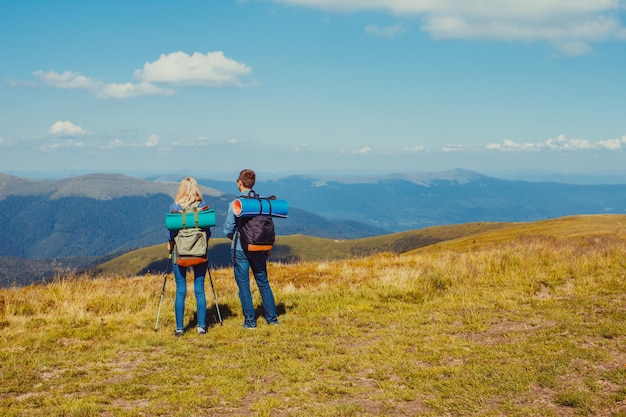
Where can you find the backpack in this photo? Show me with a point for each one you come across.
(257, 232)
(191, 242)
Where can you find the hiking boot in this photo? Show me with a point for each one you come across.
(179, 333)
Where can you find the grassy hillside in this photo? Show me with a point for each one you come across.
(298, 248)
(583, 229)
(507, 326)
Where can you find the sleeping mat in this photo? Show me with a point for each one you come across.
(174, 221)
(248, 207)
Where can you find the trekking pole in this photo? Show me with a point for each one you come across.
(169, 260)
(219, 315)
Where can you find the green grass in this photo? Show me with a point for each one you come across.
(299, 248)
(522, 326)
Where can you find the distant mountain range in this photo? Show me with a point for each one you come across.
(410, 201)
(84, 220)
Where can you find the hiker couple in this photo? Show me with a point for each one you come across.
(189, 196)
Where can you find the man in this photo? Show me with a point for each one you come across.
(243, 261)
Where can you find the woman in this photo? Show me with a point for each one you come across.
(188, 196)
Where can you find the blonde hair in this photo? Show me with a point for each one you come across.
(188, 193)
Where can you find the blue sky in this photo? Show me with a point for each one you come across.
(312, 85)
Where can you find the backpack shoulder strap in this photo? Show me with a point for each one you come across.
(194, 207)
(195, 215)
(257, 196)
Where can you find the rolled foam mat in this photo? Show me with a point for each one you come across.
(174, 221)
(246, 207)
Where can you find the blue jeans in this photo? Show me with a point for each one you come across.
(244, 261)
(199, 271)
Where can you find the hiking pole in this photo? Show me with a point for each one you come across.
(169, 260)
(219, 315)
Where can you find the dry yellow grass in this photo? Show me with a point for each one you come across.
(300, 248)
(533, 324)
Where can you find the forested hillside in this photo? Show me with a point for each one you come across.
(77, 222)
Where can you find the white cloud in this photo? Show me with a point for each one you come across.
(509, 145)
(417, 148)
(560, 143)
(152, 141)
(63, 144)
(453, 148)
(612, 144)
(75, 80)
(68, 79)
(115, 143)
(65, 128)
(570, 25)
(388, 32)
(211, 69)
(563, 143)
(130, 90)
(363, 151)
(178, 68)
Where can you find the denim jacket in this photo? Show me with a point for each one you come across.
(230, 226)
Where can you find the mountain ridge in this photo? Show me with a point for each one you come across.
(92, 217)
(97, 186)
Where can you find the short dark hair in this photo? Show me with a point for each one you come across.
(247, 178)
